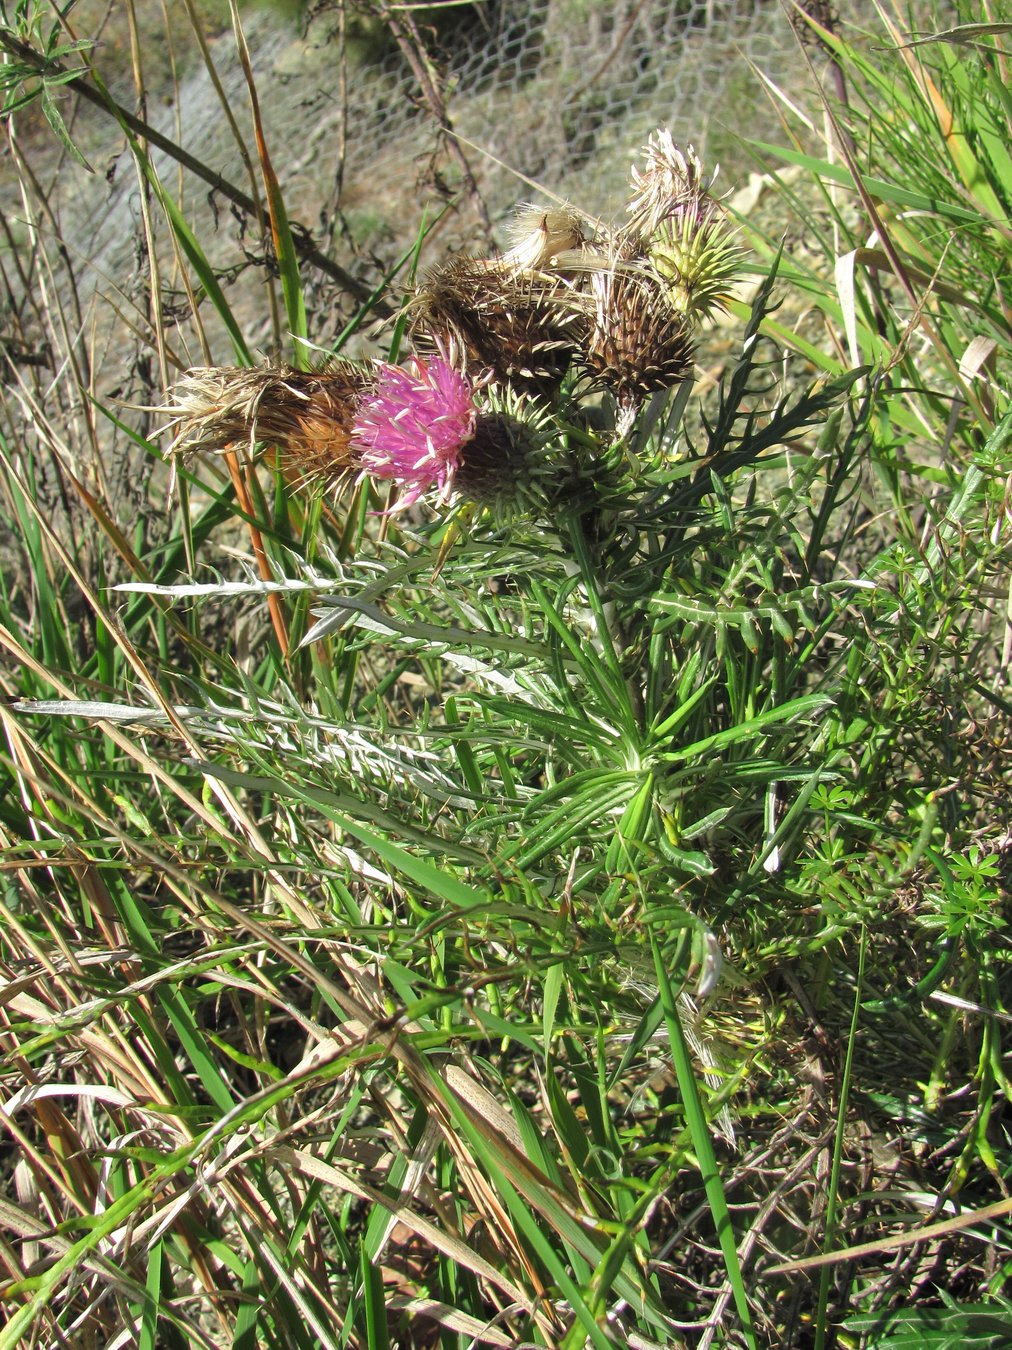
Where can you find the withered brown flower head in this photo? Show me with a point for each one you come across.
(541, 236)
(671, 181)
(636, 343)
(517, 324)
(307, 415)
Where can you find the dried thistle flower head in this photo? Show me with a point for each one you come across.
(413, 427)
(636, 343)
(540, 236)
(670, 180)
(307, 415)
(519, 325)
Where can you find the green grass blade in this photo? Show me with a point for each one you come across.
(878, 188)
(702, 1145)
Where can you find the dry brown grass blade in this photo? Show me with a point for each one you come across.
(453, 1247)
(207, 907)
(954, 135)
(66, 1164)
(363, 999)
(245, 500)
(252, 1213)
(500, 1134)
(120, 1061)
(154, 297)
(129, 746)
(90, 1038)
(66, 331)
(137, 569)
(275, 199)
(483, 1333)
(197, 29)
(898, 1241)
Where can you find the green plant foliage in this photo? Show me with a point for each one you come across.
(536, 917)
(945, 1328)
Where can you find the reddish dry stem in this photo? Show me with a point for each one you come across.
(256, 539)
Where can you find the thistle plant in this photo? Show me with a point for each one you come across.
(614, 309)
(492, 920)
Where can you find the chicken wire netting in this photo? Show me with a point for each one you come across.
(557, 93)
(369, 138)
(561, 93)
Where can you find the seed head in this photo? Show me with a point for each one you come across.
(671, 180)
(307, 415)
(540, 237)
(517, 324)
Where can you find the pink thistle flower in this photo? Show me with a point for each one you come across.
(414, 425)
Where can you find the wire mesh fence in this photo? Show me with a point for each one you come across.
(560, 92)
(368, 141)
(474, 110)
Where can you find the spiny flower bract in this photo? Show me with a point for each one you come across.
(682, 229)
(511, 461)
(700, 258)
(518, 324)
(636, 343)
